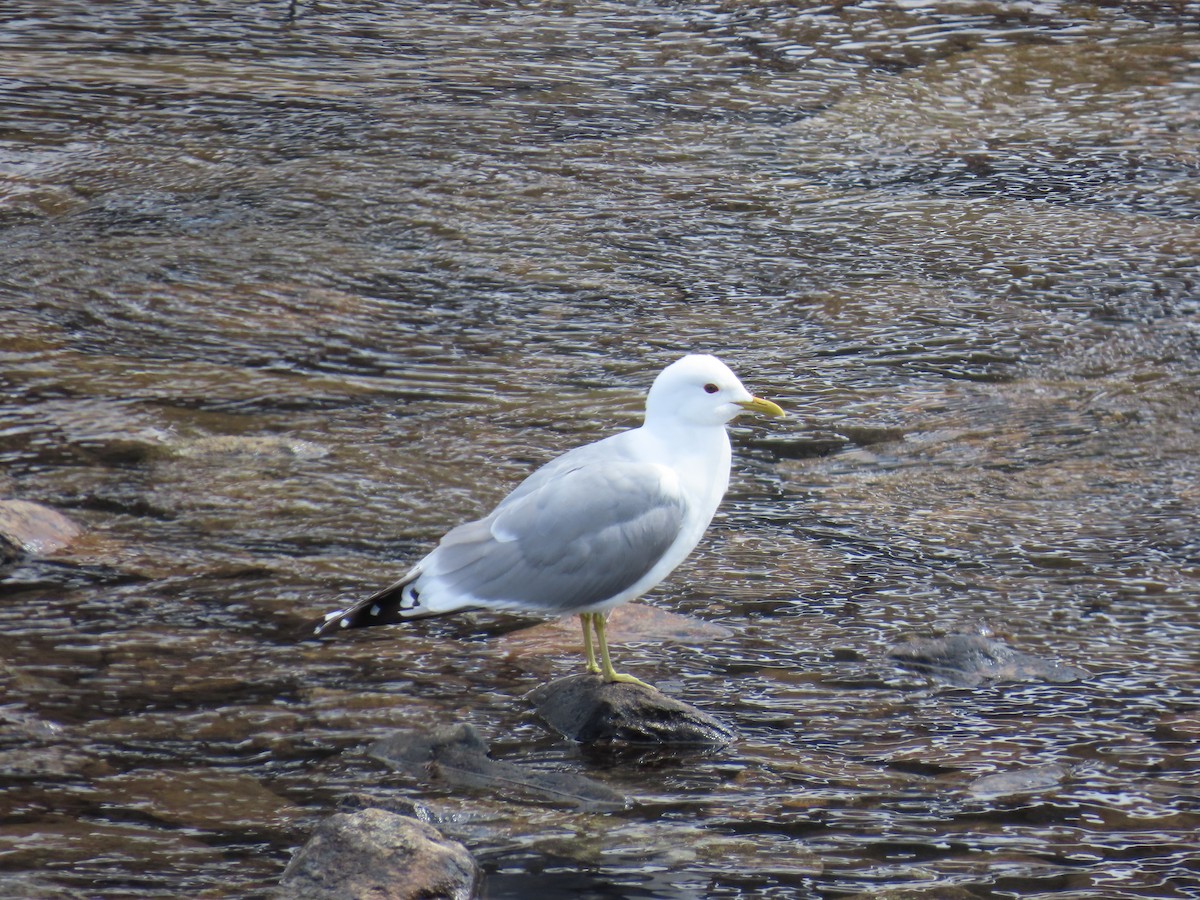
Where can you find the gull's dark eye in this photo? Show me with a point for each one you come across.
(711, 388)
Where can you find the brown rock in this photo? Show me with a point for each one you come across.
(379, 855)
(30, 529)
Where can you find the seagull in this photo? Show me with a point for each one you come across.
(594, 528)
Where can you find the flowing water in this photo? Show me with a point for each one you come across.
(282, 300)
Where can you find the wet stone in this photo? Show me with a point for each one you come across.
(30, 529)
(459, 756)
(588, 709)
(968, 660)
(378, 855)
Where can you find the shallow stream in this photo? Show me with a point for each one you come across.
(283, 300)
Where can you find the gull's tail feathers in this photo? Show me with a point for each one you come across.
(401, 602)
(397, 602)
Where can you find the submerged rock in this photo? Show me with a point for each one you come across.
(459, 756)
(1024, 780)
(930, 892)
(268, 446)
(35, 748)
(971, 659)
(196, 798)
(30, 529)
(378, 855)
(588, 709)
(29, 887)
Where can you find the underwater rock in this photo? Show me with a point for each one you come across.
(967, 660)
(801, 446)
(1024, 780)
(1182, 726)
(378, 855)
(277, 447)
(37, 749)
(588, 709)
(24, 887)
(195, 798)
(459, 756)
(30, 529)
(18, 724)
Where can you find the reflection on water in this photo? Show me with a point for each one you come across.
(285, 300)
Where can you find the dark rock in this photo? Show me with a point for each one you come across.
(967, 660)
(1025, 780)
(588, 709)
(381, 856)
(30, 529)
(459, 756)
(866, 435)
(801, 446)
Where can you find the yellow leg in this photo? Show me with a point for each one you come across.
(585, 619)
(606, 667)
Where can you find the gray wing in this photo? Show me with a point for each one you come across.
(579, 537)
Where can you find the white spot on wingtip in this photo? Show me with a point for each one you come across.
(375, 610)
(345, 623)
(330, 616)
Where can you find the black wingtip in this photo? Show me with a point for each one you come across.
(385, 607)
(327, 624)
(361, 615)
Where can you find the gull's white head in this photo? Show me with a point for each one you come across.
(701, 390)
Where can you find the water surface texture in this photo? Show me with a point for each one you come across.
(284, 300)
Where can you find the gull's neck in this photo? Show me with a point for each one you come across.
(680, 440)
(700, 456)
